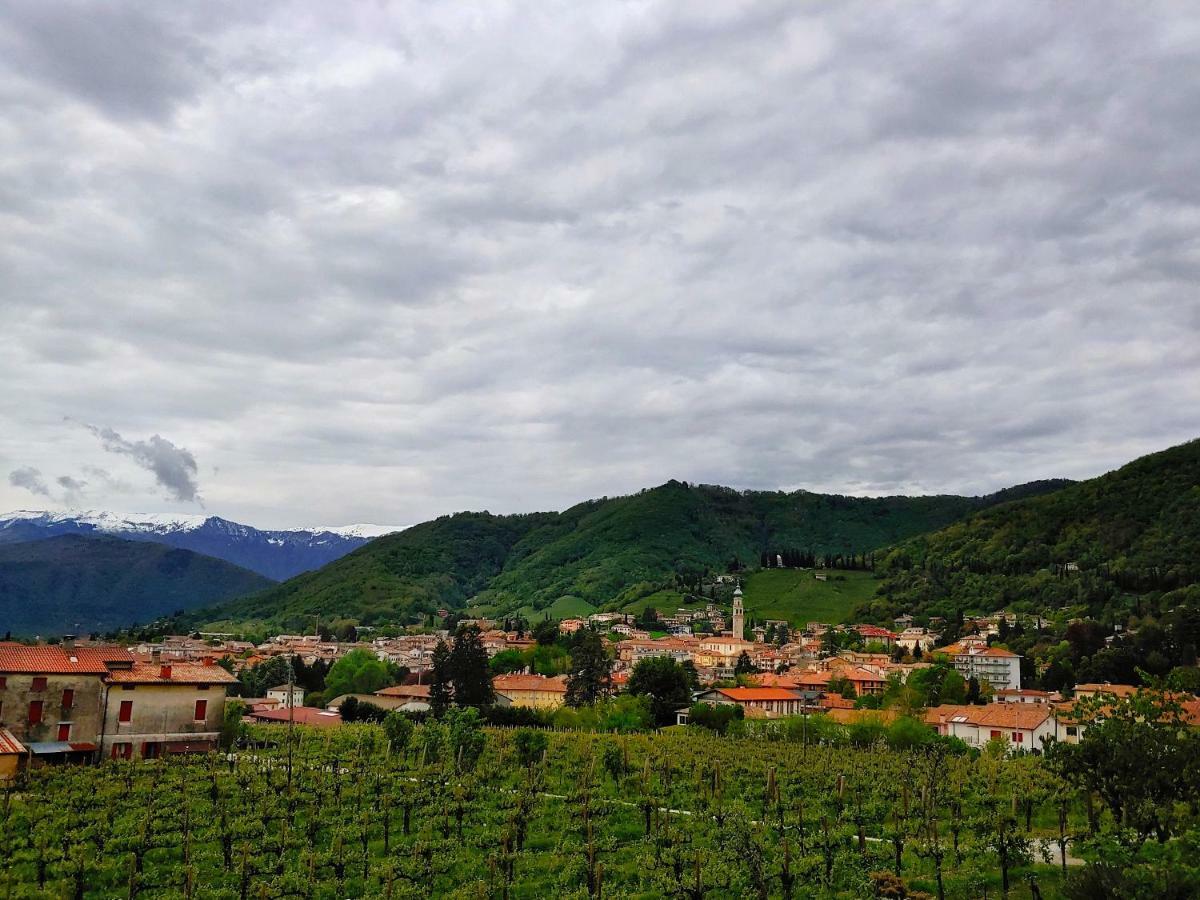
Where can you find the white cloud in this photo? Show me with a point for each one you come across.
(386, 264)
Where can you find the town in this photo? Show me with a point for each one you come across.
(80, 701)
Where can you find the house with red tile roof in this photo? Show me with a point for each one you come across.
(531, 691)
(298, 715)
(769, 702)
(158, 708)
(12, 756)
(51, 697)
(1022, 726)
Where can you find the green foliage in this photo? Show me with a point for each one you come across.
(469, 669)
(715, 716)
(464, 736)
(232, 726)
(358, 672)
(1134, 531)
(591, 669)
(618, 550)
(103, 583)
(798, 597)
(530, 746)
(507, 661)
(665, 683)
(398, 728)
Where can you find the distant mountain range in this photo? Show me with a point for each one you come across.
(610, 552)
(277, 555)
(77, 583)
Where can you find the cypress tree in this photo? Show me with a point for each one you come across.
(469, 669)
(440, 688)
(590, 670)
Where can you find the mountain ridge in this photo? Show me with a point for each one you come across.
(604, 550)
(72, 582)
(275, 554)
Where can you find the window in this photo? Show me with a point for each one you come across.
(3, 682)
(996, 734)
(149, 750)
(35, 712)
(39, 683)
(201, 710)
(1072, 731)
(64, 731)
(122, 751)
(68, 698)
(126, 712)
(1018, 737)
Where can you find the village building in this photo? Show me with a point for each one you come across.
(1020, 726)
(51, 698)
(12, 756)
(158, 708)
(760, 702)
(530, 691)
(298, 715)
(286, 695)
(975, 659)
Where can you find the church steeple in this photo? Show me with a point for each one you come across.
(739, 614)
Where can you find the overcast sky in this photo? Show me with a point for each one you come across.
(330, 263)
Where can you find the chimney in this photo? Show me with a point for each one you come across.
(165, 671)
(68, 642)
(156, 654)
(208, 661)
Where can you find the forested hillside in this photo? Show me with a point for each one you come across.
(602, 551)
(1114, 544)
(73, 583)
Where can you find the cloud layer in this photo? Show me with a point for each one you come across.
(392, 261)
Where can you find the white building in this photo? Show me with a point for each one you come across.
(280, 694)
(998, 667)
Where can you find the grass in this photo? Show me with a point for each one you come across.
(666, 602)
(562, 608)
(797, 596)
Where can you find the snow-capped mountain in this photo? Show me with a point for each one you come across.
(275, 554)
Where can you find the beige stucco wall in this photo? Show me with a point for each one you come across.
(162, 713)
(84, 714)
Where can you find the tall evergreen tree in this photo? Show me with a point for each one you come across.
(590, 670)
(744, 666)
(441, 691)
(469, 669)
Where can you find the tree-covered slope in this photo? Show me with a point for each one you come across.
(601, 551)
(1131, 532)
(415, 571)
(72, 583)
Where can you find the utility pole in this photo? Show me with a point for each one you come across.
(291, 702)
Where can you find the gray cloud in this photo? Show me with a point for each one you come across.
(29, 479)
(385, 266)
(174, 467)
(73, 489)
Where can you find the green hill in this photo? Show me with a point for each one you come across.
(610, 552)
(72, 583)
(799, 596)
(1109, 546)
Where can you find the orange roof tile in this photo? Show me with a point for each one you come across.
(751, 694)
(58, 661)
(9, 744)
(179, 673)
(301, 715)
(557, 683)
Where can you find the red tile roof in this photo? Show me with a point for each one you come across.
(557, 684)
(171, 673)
(752, 694)
(9, 744)
(58, 661)
(405, 690)
(303, 715)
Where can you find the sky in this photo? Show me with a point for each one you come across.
(298, 263)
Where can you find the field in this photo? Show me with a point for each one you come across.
(465, 813)
(796, 595)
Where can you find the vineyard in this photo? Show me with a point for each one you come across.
(499, 813)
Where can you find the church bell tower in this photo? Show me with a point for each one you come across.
(739, 614)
